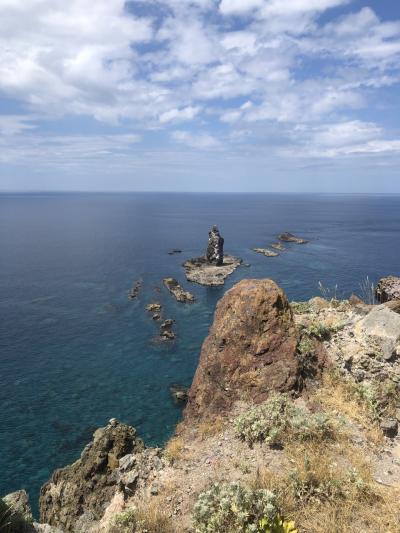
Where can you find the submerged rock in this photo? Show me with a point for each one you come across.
(215, 247)
(179, 393)
(133, 293)
(173, 252)
(199, 270)
(176, 290)
(76, 495)
(388, 289)
(266, 252)
(251, 349)
(289, 237)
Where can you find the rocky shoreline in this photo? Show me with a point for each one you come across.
(259, 345)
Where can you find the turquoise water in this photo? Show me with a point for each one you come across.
(74, 351)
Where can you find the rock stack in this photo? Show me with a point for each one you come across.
(215, 247)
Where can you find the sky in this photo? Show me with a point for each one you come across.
(200, 95)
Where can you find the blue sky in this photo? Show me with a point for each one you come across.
(200, 95)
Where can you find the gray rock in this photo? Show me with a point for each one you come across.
(389, 427)
(215, 247)
(381, 326)
(127, 462)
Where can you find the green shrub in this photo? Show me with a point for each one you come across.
(265, 422)
(277, 420)
(232, 508)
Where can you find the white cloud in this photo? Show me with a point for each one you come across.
(187, 113)
(239, 7)
(202, 141)
(284, 78)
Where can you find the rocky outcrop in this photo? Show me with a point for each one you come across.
(176, 290)
(278, 246)
(200, 271)
(16, 513)
(166, 332)
(289, 237)
(266, 252)
(250, 350)
(388, 289)
(76, 495)
(215, 247)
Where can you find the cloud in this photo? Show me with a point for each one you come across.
(202, 141)
(174, 115)
(252, 75)
(14, 124)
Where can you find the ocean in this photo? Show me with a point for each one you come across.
(75, 351)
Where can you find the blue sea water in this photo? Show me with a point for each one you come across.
(75, 351)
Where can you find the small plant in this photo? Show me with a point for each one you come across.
(232, 508)
(318, 330)
(265, 422)
(305, 346)
(300, 308)
(330, 294)
(367, 291)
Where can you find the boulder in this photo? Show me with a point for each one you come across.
(381, 328)
(215, 247)
(250, 350)
(388, 289)
(76, 495)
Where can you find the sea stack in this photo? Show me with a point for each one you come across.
(215, 248)
(212, 268)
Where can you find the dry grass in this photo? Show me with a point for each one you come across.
(148, 517)
(330, 488)
(340, 395)
(174, 450)
(210, 427)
